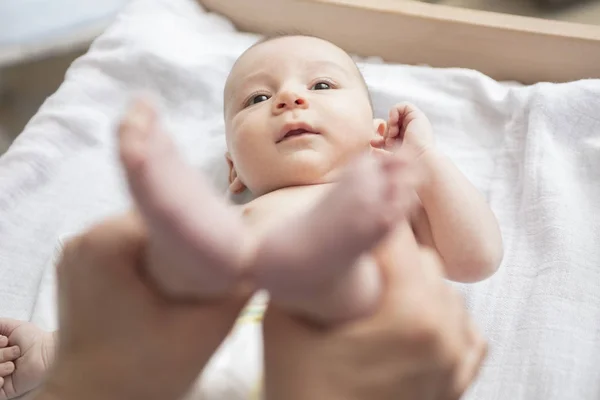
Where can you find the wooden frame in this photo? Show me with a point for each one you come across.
(505, 47)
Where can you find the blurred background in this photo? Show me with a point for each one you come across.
(39, 39)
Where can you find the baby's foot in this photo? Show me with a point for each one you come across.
(316, 256)
(26, 353)
(195, 238)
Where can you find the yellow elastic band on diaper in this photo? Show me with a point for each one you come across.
(257, 391)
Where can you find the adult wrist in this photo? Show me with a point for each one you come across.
(64, 385)
(46, 395)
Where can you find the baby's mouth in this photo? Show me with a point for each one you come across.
(297, 132)
(294, 133)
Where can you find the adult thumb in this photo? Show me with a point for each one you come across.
(8, 325)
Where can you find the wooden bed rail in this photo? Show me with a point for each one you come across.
(505, 47)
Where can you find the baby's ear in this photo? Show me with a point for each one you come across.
(378, 139)
(235, 183)
(380, 126)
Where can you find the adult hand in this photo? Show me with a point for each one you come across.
(419, 345)
(119, 337)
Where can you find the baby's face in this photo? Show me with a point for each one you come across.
(296, 109)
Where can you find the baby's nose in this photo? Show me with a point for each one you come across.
(291, 101)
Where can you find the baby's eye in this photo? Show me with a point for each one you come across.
(321, 86)
(259, 98)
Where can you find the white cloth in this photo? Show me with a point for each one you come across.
(26, 21)
(533, 151)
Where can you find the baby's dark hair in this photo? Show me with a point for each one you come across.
(283, 34)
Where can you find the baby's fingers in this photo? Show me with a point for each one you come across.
(395, 114)
(378, 143)
(6, 369)
(9, 354)
(3, 341)
(393, 123)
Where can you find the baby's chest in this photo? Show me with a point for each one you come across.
(274, 208)
(287, 205)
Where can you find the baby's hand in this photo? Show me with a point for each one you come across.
(26, 352)
(409, 127)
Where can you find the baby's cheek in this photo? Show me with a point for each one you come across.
(243, 137)
(355, 132)
(250, 154)
(353, 117)
(252, 127)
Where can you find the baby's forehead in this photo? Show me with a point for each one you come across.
(301, 47)
(310, 52)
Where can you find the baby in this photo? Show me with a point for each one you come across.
(332, 188)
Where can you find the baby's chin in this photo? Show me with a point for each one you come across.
(310, 166)
(303, 168)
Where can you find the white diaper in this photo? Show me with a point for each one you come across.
(235, 372)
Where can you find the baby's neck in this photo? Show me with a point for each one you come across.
(247, 196)
(295, 188)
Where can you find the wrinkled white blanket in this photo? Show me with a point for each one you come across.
(534, 152)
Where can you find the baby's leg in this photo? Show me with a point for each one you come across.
(195, 237)
(315, 264)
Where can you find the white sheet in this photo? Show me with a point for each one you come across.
(534, 152)
(34, 21)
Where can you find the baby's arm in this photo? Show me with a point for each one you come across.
(457, 220)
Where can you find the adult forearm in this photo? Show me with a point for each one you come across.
(51, 393)
(36, 394)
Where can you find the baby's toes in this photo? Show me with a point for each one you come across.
(7, 368)
(134, 134)
(3, 341)
(9, 354)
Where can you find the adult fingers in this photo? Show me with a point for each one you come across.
(468, 369)
(9, 353)
(107, 244)
(7, 326)
(6, 368)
